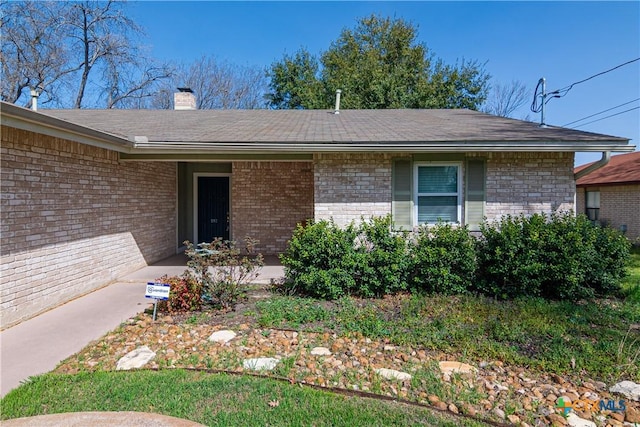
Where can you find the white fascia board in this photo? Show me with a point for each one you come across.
(32, 121)
(437, 147)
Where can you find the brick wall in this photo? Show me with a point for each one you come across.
(580, 201)
(74, 219)
(528, 183)
(619, 205)
(268, 199)
(348, 186)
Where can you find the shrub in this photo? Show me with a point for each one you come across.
(185, 294)
(329, 262)
(221, 270)
(320, 260)
(443, 259)
(609, 266)
(383, 262)
(560, 256)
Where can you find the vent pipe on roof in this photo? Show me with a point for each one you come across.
(34, 99)
(337, 110)
(606, 156)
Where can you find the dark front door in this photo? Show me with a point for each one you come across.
(213, 208)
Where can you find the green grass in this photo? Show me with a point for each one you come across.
(631, 284)
(210, 399)
(290, 312)
(593, 338)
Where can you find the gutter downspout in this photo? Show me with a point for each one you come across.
(606, 156)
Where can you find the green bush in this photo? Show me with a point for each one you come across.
(560, 256)
(383, 262)
(320, 260)
(443, 259)
(325, 261)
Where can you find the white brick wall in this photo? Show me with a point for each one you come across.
(526, 183)
(350, 186)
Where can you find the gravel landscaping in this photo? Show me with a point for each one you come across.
(488, 389)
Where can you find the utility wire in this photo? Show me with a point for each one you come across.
(600, 112)
(558, 93)
(612, 115)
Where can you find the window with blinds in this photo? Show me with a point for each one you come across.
(592, 200)
(438, 192)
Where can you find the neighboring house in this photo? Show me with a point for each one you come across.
(611, 195)
(90, 195)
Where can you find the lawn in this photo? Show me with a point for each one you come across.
(212, 399)
(631, 285)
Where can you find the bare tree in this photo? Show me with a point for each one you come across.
(77, 53)
(129, 86)
(33, 55)
(216, 85)
(505, 99)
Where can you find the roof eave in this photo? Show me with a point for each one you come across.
(29, 120)
(158, 147)
(607, 184)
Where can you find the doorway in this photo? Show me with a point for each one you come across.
(212, 208)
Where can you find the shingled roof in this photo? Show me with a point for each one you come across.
(320, 126)
(191, 134)
(621, 169)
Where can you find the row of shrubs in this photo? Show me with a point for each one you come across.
(557, 256)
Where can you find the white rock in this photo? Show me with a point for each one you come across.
(629, 389)
(448, 367)
(320, 351)
(260, 363)
(135, 359)
(575, 421)
(392, 374)
(222, 337)
(500, 413)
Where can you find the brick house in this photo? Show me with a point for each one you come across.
(90, 195)
(611, 194)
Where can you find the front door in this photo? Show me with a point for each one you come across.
(213, 208)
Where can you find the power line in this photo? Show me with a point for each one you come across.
(558, 93)
(600, 112)
(541, 98)
(612, 115)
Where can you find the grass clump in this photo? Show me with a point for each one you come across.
(290, 312)
(210, 400)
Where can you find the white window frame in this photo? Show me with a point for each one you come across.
(596, 193)
(416, 194)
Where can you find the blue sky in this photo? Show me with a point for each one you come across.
(564, 42)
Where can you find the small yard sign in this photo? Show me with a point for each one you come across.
(157, 291)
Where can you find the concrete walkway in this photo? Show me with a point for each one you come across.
(36, 346)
